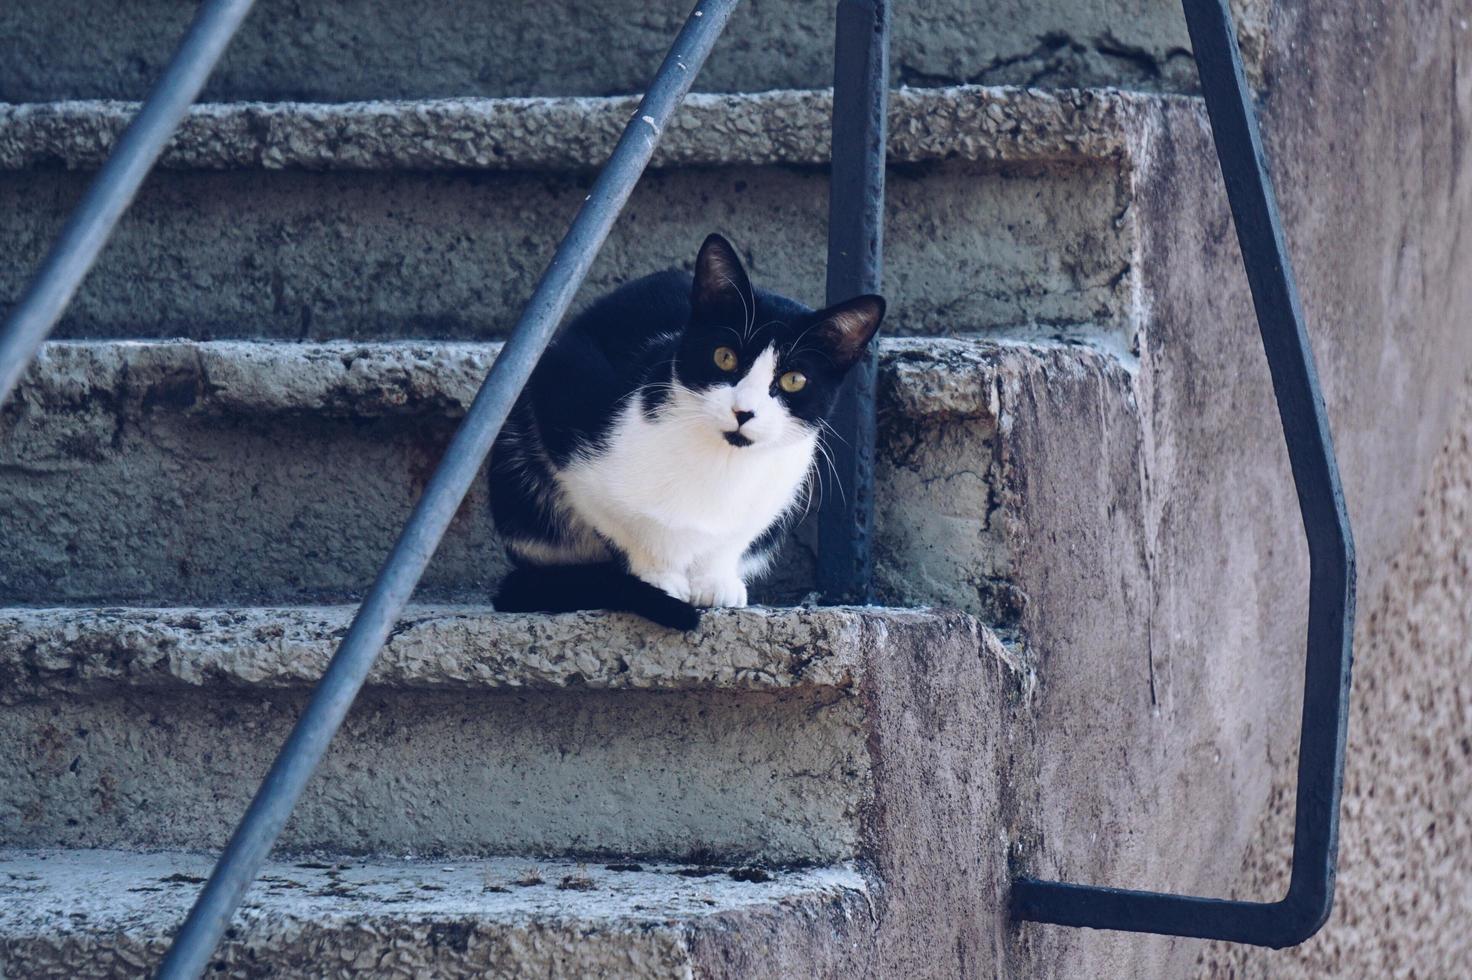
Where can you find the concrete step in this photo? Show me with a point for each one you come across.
(227, 472)
(1012, 209)
(80, 915)
(751, 740)
(892, 741)
(56, 49)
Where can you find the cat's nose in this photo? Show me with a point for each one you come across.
(743, 417)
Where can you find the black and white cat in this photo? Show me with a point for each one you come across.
(664, 440)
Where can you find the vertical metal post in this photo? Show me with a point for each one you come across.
(855, 262)
(91, 224)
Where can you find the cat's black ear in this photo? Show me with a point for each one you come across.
(846, 328)
(721, 286)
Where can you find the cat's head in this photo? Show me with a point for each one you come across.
(762, 369)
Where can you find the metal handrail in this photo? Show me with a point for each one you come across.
(855, 261)
(112, 190)
(1310, 896)
(304, 749)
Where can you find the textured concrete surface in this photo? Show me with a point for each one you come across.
(152, 730)
(76, 650)
(1158, 567)
(110, 914)
(952, 752)
(232, 440)
(939, 740)
(377, 49)
(983, 446)
(965, 122)
(479, 733)
(1162, 563)
(235, 505)
(1041, 248)
(1382, 121)
(775, 778)
(1169, 692)
(1405, 868)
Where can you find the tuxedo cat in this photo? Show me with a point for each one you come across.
(665, 439)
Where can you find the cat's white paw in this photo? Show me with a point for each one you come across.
(672, 583)
(715, 590)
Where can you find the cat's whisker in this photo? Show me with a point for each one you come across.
(749, 313)
(809, 491)
(830, 430)
(827, 457)
(817, 350)
(801, 336)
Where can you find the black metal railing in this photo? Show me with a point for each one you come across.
(112, 190)
(1310, 895)
(855, 260)
(845, 520)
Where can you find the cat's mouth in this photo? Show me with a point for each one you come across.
(736, 439)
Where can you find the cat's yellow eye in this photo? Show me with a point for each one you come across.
(726, 359)
(793, 381)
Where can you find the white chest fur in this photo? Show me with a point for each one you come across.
(680, 501)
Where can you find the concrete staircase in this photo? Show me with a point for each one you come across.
(202, 471)
(801, 767)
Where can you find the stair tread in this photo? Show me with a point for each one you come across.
(45, 650)
(364, 379)
(967, 122)
(106, 909)
(218, 432)
(131, 890)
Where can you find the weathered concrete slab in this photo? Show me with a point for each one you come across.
(272, 472)
(984, 450)
(76, 915)
(258, 649)
(296, 255)
(750, 777)
(1024, 192)
(478, 732)
(131, 479)
(222, 379)
(978, 123)
(378, 49)
(933, 738)
(1170, 648)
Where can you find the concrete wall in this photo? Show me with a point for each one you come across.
(1368, 114)
(380, 49)
(1405, 858)
(1184, 653)
(1368, 111)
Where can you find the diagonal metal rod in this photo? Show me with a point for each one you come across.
(112, 190)
(400, 574)
(1310, 894)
